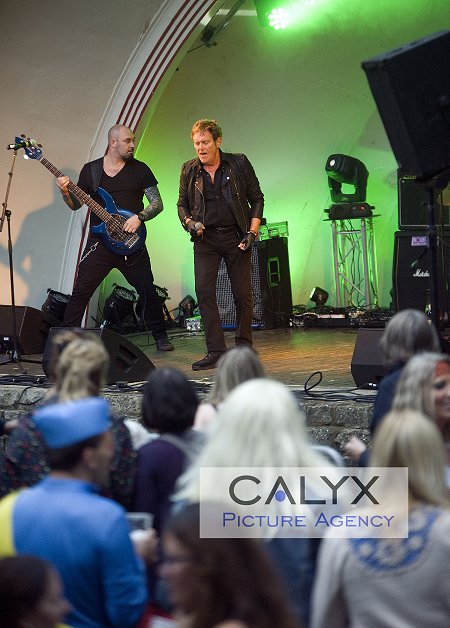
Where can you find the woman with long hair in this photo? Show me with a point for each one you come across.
(235, 366)
(374, 582)
(260, 425)
(220, 583)
(80, 371)
(425, 386)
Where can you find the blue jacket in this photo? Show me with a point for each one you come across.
(87, 538)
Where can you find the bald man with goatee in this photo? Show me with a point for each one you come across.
(116, 240)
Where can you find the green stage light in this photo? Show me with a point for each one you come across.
(278, 18)
(270, 13)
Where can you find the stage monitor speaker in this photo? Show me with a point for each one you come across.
(33, 327)
(127, 362)
(412, 204)
(271, 286)
(367, 361)
(411, 271)
(411, 88)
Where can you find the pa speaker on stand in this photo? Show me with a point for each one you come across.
(415, 115)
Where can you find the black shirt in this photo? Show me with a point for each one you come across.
(126, 187)
(217, 211)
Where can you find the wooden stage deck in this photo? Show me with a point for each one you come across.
(334, 410)
(289, 355)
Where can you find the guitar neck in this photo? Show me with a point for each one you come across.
(79, 193)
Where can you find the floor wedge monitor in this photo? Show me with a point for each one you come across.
(127, 362)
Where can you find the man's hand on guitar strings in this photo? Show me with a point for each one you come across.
(132, 224)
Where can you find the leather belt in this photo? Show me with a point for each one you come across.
(221, 229)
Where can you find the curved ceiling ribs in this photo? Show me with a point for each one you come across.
(175, 35)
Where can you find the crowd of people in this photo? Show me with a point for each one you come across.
(70, 475)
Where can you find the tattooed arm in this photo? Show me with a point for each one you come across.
(155, 206)
(153, 209)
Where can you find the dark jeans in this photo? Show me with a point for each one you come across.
(208, 252)
(136, 269)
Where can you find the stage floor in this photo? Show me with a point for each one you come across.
(289, 355)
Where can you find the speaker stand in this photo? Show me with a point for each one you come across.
(348, 242)
(438, 182)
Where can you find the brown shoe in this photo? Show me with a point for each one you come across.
(208, 362)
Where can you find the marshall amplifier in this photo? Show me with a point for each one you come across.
(412, 204)
(411, 271)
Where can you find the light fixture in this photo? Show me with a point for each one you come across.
(211, 32)
(119, 307)
(187, 306)
(272, 13)
(349, 170)
(343, 169)
(278, 18)
(319, 296)
(55, 304)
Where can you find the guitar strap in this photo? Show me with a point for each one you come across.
(96, 172)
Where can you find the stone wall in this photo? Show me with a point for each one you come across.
(329, 422)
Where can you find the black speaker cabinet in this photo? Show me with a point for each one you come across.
(367, 361)
(271, 286)
(411, 88)
(33, 327)
(411, 271)
(412, 204)
(127, 362)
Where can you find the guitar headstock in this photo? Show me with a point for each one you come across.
(32, 148)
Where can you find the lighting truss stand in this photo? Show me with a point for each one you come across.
(354, 262)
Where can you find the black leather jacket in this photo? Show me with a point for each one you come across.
(242, 191)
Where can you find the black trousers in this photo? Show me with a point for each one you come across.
(208, 252)
(96, 263)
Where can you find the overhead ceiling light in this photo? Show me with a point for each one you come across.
(272, 13)
(278, 18)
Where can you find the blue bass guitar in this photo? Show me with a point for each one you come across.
(113, 218)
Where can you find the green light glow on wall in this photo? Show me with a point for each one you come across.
(287, 102)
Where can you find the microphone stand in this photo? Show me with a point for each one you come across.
(6, 213)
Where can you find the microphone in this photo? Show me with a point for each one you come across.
(198, 225)
(23, 144)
